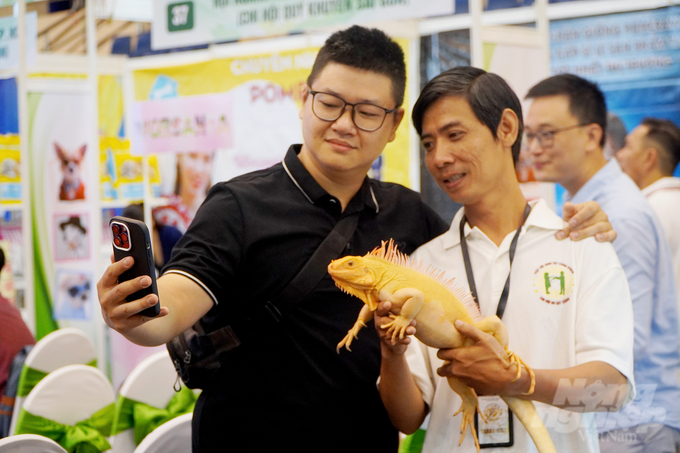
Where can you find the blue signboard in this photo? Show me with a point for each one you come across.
(634, 57)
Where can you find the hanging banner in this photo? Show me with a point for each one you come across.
(9, 41)
(179, 23)
(61, 213)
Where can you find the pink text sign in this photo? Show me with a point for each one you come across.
(184, 124)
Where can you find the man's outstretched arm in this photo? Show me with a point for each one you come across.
(183, 303)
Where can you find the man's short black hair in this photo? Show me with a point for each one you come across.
(368, 49)
(134, 211)
(487, 94)
(666, 137)
(586, 101)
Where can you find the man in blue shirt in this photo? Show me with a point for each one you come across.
(565, 128)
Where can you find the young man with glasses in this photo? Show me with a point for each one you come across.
(286, 388)
(564, 130)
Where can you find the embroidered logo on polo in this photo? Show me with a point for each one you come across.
(554, 283)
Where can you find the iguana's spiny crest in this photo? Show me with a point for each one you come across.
(358, 276)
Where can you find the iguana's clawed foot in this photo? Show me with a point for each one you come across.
(468, 420)
(397, 327)
(351, 335)
(514, 358)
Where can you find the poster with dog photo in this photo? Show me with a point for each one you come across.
(62, 188)
(74, 295)
(61, 129)
(71, 239)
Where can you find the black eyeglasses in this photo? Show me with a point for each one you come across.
(367, 117)
(547, 138)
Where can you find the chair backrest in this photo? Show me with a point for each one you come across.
(59, 348)
(71, 394)
(173, 436)
(29, 443)
(151, 382)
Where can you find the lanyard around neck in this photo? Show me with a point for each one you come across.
(468, 266)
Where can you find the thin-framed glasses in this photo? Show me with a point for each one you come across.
(367, 117)
(547, 138)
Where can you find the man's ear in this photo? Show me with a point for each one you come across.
(595, 134)
(304, 94)
(650, 159)
(398, 116)
(508, 128)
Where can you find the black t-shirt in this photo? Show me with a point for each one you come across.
(286, 388)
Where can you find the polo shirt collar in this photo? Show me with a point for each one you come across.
(316, 194)
(667, 182)
(598, 183)
(541, 216)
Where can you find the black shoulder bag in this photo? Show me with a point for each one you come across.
(197, 354)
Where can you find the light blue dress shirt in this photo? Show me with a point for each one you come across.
(645, 257)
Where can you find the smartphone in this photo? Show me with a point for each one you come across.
(131, 237)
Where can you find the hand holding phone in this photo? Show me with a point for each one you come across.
(131, 237)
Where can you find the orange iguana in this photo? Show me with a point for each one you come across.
(423, 294)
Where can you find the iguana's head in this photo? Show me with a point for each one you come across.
(356, 276)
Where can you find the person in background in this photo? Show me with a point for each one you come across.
(163, 237)
(565, 131)
(191, 187)
(650, 156)
(14, 334)
(615, 135)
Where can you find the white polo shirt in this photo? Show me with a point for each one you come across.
(584, 315)
(664, 196)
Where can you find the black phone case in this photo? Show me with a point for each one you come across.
(137, 244)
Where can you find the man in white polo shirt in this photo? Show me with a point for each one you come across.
(566, 305)
(649, 157)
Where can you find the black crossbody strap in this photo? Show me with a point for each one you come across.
(231, 336)
(317, 266)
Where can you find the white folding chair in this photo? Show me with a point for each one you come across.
(29, 443)
(69, 395)
(151, 382)
(59, 348)
(171, 437)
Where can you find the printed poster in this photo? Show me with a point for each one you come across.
(62, 187)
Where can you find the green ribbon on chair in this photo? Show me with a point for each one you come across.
(145, 418)
(30, 377)
(413, 443)
(86, 436)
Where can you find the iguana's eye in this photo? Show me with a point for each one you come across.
(350, 263)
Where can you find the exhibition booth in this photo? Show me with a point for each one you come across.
(84, 136)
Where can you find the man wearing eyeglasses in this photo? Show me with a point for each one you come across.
(564, 132)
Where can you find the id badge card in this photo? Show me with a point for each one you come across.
(497, 430)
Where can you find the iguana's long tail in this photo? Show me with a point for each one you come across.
(526, 413)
